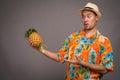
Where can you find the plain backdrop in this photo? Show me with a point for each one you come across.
(54, 20)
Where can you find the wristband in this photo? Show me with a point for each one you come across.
(42, 50)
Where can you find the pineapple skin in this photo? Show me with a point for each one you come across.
(35, 39)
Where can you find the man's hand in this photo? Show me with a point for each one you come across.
(75, 61)
(41, 48)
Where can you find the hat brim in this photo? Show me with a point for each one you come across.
(92, 10)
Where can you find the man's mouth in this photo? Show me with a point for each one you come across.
(86, 24)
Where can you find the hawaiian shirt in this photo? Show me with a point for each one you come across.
(95, 49)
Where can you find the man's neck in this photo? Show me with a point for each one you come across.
(90, 32)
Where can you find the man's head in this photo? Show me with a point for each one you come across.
(91, 7)
(90, 15)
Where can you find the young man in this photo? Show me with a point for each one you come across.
(88, 53)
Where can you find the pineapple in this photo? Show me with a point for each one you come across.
(34, 38)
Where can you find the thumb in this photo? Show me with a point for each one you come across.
(76, 57)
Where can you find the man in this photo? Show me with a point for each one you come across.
(88, 53)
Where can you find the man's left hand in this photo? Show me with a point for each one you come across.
(75, 61)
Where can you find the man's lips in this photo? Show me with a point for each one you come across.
(85, 24)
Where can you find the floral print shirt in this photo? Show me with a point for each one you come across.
(95, 49)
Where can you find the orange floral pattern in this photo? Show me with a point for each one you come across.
(96, 49)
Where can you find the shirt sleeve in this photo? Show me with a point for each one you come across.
(63, 52)
(106, 54)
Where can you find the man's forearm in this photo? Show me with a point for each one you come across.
(94, 67)
(50, 54)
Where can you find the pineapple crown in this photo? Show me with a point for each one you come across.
(29, 32)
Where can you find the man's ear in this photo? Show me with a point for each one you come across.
(97, 18)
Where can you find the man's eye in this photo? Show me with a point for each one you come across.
(83, 17)
(89, 16)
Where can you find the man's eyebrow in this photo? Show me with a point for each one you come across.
(86, 14)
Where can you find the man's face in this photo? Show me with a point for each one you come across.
(89, 19)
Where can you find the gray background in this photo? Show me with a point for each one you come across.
(54, 20)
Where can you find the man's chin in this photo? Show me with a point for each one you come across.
(86, 28)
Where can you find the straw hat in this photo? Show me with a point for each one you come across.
(91, 7)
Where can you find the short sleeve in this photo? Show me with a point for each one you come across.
(63, 52)
(106, 54)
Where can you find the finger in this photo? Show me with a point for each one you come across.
(66, 60)
(76, 57)
(30, 42)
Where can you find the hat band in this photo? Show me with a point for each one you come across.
(88, 8)
(91, 9)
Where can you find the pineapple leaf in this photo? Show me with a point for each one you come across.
(41, 45)
(29, 32)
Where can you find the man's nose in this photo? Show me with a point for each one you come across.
(85, 19)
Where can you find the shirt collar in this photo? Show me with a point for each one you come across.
(93, 37)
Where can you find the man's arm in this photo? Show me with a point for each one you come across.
(47, 53)
(50, 54)
(95, 67)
